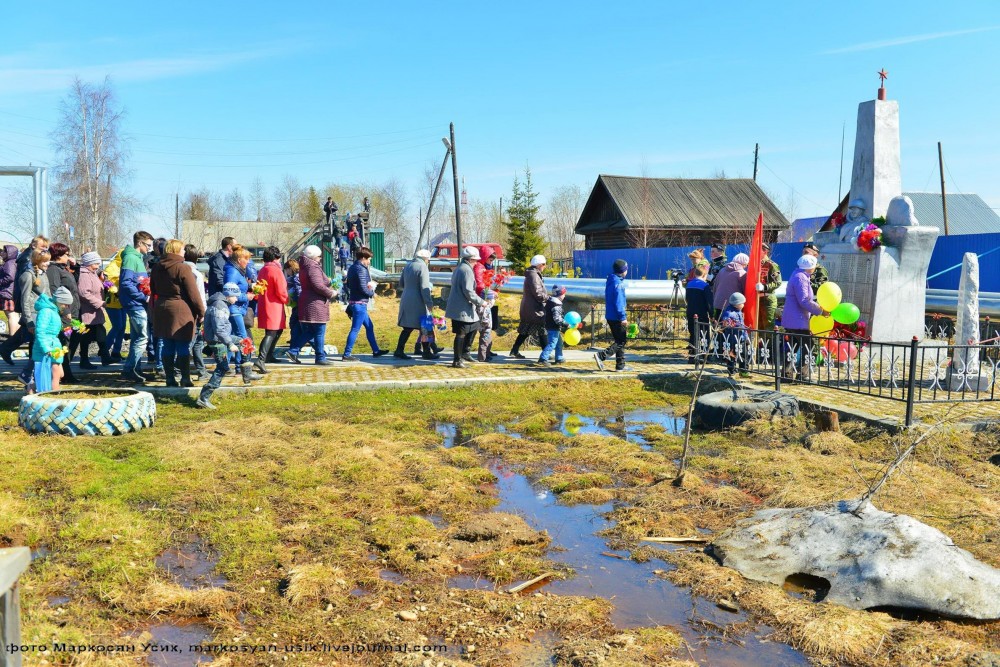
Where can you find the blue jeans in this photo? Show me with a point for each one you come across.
(360, 318)
(137, 320)
(174, 348)
(313, 333)
(222, 357)
(553, 341)
(239, 333)
(117, 333)
(197, 359)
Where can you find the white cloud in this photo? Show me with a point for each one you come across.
(898, 41)
(21, 80)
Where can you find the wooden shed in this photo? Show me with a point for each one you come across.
(637, 212)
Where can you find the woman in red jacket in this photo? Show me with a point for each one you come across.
(271, 306)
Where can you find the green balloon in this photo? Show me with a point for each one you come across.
(846, 313)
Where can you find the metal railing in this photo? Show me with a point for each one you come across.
(13, 563)
(912, 373)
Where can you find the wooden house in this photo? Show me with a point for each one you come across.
(638, 212)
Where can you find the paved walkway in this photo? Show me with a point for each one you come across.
(390, 373)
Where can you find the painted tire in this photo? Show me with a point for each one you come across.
(723, 409)
(109, 412)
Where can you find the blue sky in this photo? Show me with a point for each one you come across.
(218, 93)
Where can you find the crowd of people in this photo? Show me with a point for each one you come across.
(175, 315)
(715, 291)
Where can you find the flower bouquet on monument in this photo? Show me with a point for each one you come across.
(870, 238)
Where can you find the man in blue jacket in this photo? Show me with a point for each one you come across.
(217, 265)
(134, 302)
(616, 317)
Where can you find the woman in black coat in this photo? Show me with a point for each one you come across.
(698, 296)
(60, 273)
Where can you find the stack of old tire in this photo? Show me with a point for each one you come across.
(87, 412)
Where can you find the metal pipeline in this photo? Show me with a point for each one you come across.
(663, 292)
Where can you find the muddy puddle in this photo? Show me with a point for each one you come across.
(641, 598)
(628, 426)
(192, 565)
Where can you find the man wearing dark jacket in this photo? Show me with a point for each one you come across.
(25, 334)
(533, 300)
(616, 315)
(217, 265)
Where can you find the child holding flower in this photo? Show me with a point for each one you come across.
(47, 351)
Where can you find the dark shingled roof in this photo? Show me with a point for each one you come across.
(967, 214)
(677, 204)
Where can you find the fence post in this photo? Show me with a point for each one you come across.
(776, 357)
(593, 319)
(13, 562)
(911, 382)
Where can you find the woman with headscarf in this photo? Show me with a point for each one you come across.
(177, 311)
(800, 305)
(415, 303)
(731, 279)
(313, 307)
(91, 311)
(462, 303)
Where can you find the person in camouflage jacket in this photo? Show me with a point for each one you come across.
(770, 279)
(820, 275)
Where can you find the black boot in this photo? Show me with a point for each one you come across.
(459, 352)
(203, 401)
(184, 366)
(427, 352)
(168, 370)
(246, 371)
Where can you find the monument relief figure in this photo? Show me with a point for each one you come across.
(855, 222)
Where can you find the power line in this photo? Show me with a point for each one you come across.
(821, 206)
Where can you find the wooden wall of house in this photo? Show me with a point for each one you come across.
(623, 238)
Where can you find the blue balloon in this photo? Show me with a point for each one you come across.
(572, 318)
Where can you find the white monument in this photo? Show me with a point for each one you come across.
(888, 284)
(964, 373)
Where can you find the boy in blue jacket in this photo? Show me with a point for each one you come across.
(616, 317)
(734, 333)
(555, 325)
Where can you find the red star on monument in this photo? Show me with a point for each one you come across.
(883, 75)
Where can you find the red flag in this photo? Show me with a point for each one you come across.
(753, 274)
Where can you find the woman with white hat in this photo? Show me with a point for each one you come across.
(415, 303)
(462, 302)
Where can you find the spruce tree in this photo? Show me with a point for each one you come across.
(523, 224)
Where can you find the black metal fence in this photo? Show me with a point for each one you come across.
(913, 372)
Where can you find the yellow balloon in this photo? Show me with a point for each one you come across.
(821, 325)
(829, 296)
(572, 337)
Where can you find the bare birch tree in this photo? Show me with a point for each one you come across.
(92, 166)
(18, 219)
(288, 198)
(565, 206)
(259, 207)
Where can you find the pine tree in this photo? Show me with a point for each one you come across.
(523, 224)
(313, 209)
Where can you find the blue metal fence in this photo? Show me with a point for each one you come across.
(655, 263)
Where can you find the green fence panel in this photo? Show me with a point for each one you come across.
(376, 241)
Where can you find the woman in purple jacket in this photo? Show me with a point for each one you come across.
(313, 306)
(800, 305)
(8, 279)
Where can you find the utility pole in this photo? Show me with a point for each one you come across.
(437, 185)
(756, 154)
(944, 201)
(458, 202)
(177, 215)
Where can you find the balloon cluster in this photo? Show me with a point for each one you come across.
(572, 336)
(830, 298)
